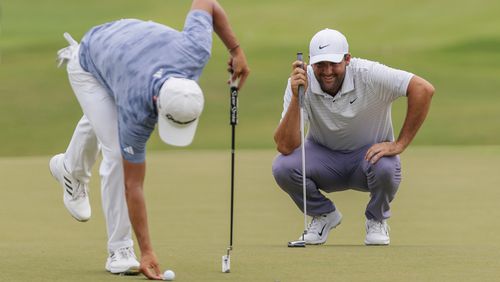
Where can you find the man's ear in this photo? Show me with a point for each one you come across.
(347, 58)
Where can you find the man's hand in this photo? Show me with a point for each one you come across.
(379, 150)
(237, 66)
(298, 77)
(150, 267)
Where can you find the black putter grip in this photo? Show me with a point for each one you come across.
(301, 87)
(233, 109)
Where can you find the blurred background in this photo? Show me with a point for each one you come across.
(453, 44)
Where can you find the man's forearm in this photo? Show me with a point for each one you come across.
(138, 218)
(420, 93)
(287, 135)
(220, 21)
(134, 179)
(222, 27)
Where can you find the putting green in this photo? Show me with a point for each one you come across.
(444, 225)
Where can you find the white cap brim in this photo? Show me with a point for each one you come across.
(334, 58)
(176, 134)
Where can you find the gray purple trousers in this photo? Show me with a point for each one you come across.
(332, 171)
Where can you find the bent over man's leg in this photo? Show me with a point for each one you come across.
(82, 151)
(100, 110)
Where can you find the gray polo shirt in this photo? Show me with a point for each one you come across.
(360, 114)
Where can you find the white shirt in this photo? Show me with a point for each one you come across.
(360, 113)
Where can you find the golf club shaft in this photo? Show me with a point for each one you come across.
(233, 122)
(302, 141)
(233, 129)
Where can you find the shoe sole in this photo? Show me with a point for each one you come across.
(377, 244)
(79, 219)
(53, 164)
(127, 271)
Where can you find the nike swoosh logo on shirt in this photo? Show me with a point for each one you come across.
(353, 100)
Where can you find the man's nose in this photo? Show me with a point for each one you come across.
(328, 69)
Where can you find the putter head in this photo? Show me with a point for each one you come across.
(226, 264)
(297, 244)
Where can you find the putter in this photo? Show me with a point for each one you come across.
(302, 243)
(233, 118)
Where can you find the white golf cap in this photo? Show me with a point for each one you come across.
(179, 105)
(328, 45)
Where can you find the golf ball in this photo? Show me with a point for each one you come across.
(168, 275)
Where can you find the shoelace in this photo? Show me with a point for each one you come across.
(316, 224)
(377, 227)
(123, 253)
(79, 192)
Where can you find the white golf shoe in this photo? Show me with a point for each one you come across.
(123, 261)
(377, 232)
(75, 194)
(320, 226)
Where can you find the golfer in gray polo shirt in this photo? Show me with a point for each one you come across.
(350, 143)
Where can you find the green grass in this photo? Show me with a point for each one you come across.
(444, 225)
(452, 44)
